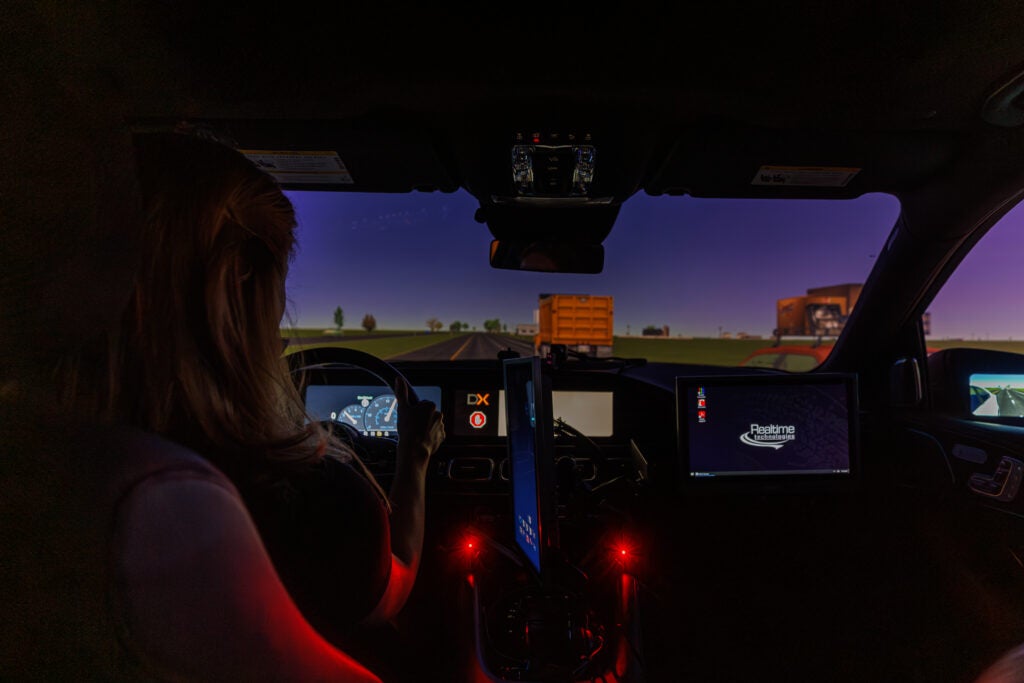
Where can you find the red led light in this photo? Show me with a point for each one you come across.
(469, 544)
(624, 550)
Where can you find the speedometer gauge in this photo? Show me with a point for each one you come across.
(381, 417)
(352, 415)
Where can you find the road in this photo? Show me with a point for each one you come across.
(1011, 403)
(478, 345)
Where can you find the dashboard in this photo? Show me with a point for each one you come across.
(639, 503)
(611, 420)
(625, 414)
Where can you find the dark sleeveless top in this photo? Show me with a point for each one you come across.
(62, 615)
(60, 486)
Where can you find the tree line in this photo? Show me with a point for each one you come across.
(369, 323)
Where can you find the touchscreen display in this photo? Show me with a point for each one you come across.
(767, 426)
(522, 446)
(997, 395)
(371, 409)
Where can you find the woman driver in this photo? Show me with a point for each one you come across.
(200, 363)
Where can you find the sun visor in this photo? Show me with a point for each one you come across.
(347, 156)
(767, 164)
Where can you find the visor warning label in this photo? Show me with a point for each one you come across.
(804, 176)
(301, 168)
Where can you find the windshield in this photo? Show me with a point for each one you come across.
(708, 281)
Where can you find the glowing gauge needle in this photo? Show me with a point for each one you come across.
(391, 410)
(353, 414)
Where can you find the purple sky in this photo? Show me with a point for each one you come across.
(691, 264)
(982, 299)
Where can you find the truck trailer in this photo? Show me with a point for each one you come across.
(822, 312)
(579, 322)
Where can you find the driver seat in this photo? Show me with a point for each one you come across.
(128, 557)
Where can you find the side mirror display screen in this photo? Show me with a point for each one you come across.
(997, 395)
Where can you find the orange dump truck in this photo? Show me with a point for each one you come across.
(822, 312)
(581, 322)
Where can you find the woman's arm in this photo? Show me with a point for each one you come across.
(420, 433)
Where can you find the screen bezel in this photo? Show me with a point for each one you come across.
(544, 465)
(769, 481)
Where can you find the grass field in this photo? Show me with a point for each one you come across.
(701, 351)
(698, 351)
(385, 347)
(1002, 345)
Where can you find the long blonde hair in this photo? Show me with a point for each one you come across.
(200, 347)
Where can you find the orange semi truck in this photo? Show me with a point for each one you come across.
(822, 312)
(580, 322)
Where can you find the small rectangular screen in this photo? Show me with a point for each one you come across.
(997, 395)
(588, 411)
(767, 426)
(369, 409)
(522, 411)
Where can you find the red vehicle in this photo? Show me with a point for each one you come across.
(793, 358)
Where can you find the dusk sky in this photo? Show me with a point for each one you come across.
(692, 264)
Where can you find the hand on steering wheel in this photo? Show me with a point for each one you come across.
(420, 424)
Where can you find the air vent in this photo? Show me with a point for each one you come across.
(470, 469)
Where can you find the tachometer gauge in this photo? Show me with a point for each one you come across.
(352, 415)
(382, 416)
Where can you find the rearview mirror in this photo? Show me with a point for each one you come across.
(548, 257)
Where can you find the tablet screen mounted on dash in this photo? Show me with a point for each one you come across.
(768, 426)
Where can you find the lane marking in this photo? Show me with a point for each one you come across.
(461, 348)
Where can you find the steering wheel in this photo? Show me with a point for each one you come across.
(378, 454)
(339, 355)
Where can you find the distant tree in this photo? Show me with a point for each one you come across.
(369, 323)
(492, 325)
(433, 324)
(652, 331)
(504, 328)
(339, 317)
(457, 326)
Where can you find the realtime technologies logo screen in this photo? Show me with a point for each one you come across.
(764, 428)
(769, 436)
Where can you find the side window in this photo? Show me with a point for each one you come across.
(974, 328)
(980, 305)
